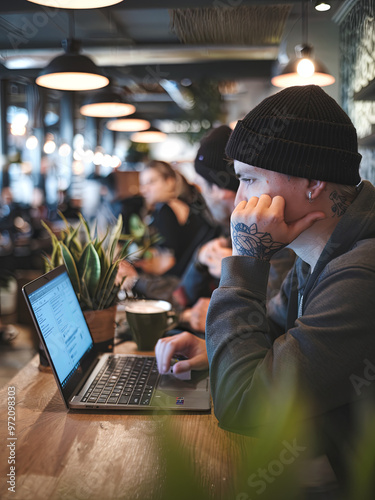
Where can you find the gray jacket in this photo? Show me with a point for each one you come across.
(322, 325)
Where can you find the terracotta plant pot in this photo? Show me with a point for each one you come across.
(102, 325)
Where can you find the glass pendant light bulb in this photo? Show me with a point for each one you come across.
(128, 125)
(76, 4)
(322, 6)
(305, 68)
(149, 136)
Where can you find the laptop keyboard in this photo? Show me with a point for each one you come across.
(127, 380)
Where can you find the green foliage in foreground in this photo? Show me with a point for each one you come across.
(271, 466)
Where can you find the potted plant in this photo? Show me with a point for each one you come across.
(92, 262)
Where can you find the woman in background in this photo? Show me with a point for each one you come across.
(178, 211)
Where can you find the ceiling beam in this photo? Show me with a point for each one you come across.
(15, 6)
(214, 70)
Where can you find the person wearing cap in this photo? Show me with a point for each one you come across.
(215, 175)
(218, 184)
(297, 161)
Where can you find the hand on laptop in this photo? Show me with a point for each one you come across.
(185, 344)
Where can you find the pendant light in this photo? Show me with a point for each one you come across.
(106, 104)
(304, 69)
(133, 124)
(322, 6)
(150, 135)
(76, 4)
(72, 71)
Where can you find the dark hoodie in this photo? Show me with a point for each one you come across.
(321, 324)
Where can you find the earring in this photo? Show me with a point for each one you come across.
(310, 197)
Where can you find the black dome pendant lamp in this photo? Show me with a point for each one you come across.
(72, 70)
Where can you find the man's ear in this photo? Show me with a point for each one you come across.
(315, 188)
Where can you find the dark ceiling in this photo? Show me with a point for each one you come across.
(143, 48)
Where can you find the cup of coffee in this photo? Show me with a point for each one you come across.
(149, 320)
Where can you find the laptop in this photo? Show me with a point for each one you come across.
(91, 381)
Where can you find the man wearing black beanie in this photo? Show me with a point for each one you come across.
(297, 161)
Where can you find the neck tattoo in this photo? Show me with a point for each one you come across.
(340, 203)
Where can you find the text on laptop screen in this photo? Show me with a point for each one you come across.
(62, 324)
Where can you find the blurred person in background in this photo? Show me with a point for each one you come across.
(177, 213)
(218, 185)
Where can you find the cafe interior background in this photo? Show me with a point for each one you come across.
(182, 67)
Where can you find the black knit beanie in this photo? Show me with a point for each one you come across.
(211, 162)
(300, 131)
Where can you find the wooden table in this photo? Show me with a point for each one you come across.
(63, 455)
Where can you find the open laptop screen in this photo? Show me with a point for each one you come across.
(62, 325)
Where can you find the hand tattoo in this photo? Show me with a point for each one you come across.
(248, 241)
(340, 203)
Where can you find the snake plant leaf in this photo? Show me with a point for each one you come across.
(71, 267)
(100, 243)
(104, 264)
(85, 226)
(114, 238)
(63, 218)
(99, 247)
(86, 300)
(68, 227)
(113, 285)
(64, 236)
(56, 258)
(111, 297)
(94, 230)
(72, 241)
(109, 283)
(48, 266)
(124, 250)
(89, 268)
(50, 232)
